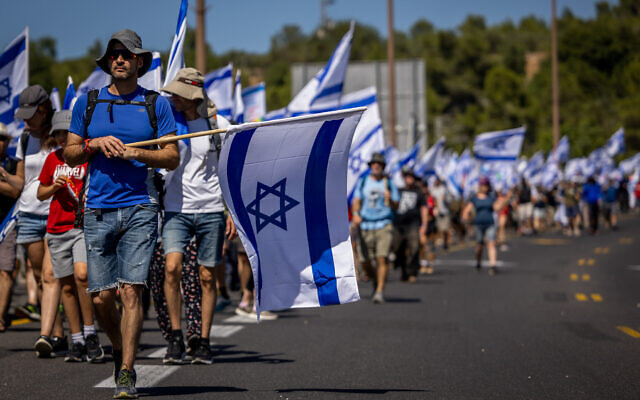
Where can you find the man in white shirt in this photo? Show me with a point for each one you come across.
(193, 206)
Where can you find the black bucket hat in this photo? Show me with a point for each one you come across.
(132, 42)
(378, 158)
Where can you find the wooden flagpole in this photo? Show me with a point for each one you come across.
(170, 139)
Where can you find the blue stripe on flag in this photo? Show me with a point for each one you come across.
(235, 165)
(225, 75)
(12, 52)
(253, 89)
(366, 138)
(182, 15)
(328, 91)
(496, 158)
(315, 210)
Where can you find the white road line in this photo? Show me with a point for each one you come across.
(224, 331)
(240, 319)
(634, 267)
(148, 375)
(158, 353)
(472, 263)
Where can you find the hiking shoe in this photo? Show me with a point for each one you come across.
(492, 271)
(95, 352)
(222, 303)
(60, 344)
(192, 344)
(76, 354)
(266, 315)
(126, 385)
(175, 351)
(28, 310)
(43, 347)
(203, 354)
(378, 298)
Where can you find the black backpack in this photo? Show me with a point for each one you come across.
(149, 104)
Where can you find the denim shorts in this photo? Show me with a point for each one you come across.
(31, 228)
(120, 243)
(482, 232)
(208, 228)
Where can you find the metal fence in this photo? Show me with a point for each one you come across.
(411, 100)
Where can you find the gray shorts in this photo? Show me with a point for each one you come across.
(8, 252)
(484, 233)
(66, 249)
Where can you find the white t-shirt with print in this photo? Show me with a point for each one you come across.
(194, 187)
(28, 201)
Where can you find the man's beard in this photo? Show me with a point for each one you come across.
(123, 76)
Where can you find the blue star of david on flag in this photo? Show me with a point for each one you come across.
(355, 163)
(279, 217)
(5, 94)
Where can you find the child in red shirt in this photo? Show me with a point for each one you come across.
(67, 246)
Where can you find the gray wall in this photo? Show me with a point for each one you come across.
(411, 107)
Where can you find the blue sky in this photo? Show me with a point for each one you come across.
(243, 24)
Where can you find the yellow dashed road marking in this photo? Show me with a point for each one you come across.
(20, 321)
(596, 297)
(581, 261)
(591, 261)
(550, 242)
(581, 297)
(574, 277)
(586, 277)
(631, 332)
(625, 240)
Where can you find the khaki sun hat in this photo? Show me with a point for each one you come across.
(189, 84)
(3, 131)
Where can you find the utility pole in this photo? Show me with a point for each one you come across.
(201, 52)
(554, 77)
(392, 76)
(324, 18)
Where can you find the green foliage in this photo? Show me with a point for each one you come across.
(479, 77)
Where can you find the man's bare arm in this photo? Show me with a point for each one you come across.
(167, 156)
(74, 154)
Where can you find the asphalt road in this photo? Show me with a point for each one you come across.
(561, 320)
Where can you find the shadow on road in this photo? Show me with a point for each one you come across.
(187, 390)
(353, 391)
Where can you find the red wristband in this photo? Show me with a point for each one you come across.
(86, 148)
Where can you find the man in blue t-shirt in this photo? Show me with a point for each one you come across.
(121, 211)
(375, 200)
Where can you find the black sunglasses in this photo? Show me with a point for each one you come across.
(126, 54)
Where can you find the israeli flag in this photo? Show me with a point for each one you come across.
(500, 145)
(615, 144)
(69, 95)
(627, 166)
(238, 104)
(285, 185)
(255, 103)
(426, 166)
(152, 80)
(368, 137)
(561, 153)
(219, 87)
(535, 165)
(97, 80)
(176, 55)
(14, 76)
(408, 159)
(9, 223)
(325, 89)
(457, 179)
(55, 99)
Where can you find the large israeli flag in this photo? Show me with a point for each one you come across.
(255, 103)
(69, 95)
(14, 78)
(500, 145)
(176, 54)
(285, 185)
(561, 153)
(615, 144)
(219, 87)
(237, 111)
(325, 89)
(426, 166)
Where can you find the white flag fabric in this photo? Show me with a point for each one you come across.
(427, 164)
(408, 159)
(176, 54)
(97, 80)
(615, 144)
(69, 95)
(152, 80)
(219, 87)
(500, 145)
(55, 99)
(325, 88)
(561, 152)
(237, 111)
(14, 75)
(255, 103)
(9, 223)
(285, 185)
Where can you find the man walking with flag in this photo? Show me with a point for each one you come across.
(121, 211)
(375, 200)
(193, 205)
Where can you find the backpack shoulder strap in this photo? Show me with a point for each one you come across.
(92, 100)
(150, 98)
(24, 142)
